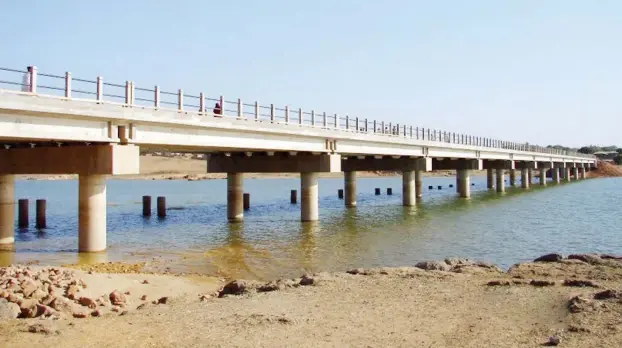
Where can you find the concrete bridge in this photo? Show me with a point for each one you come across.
(57, 124)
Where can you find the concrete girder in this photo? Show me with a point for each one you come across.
(279, 163)
(355, 164)
(499, 164)
(456, 164)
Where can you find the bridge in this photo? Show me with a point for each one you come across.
(58, 124)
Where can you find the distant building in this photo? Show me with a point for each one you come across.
(607, 156)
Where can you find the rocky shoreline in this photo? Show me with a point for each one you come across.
(576, 299)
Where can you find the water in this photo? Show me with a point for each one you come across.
(516, 226)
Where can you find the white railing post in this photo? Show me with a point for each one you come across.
(256, 111)
(100, 88)
(286, 114)
(382, 127)
(132, 89)
(67, 84)
(347, 122)
(313, 118)
(240, 109)
(336, 121)
(180, 99)
(375, 127)
(201, 102)
(356, 123)
(127, 93)
(156, 97)
(271, 112)
(325, 120)
(33, 80)
(222, 106)
(300, 116)
(366, 128)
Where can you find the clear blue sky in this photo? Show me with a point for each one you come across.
(547, 72)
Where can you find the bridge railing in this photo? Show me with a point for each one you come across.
(130, 95)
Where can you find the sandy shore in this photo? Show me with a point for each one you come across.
(176, 168)
(452, 303)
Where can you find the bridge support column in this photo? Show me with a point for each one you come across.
(582, 173)
(418, 184)
(409, 182)
(555, 175)
(92, 213)
(7, 211)
(530, 176)
(543, 176)
(575, 171)
(309, 207)
(349, 179)
(235, 197)
(567, 174)
(464, 183)
(500, 180)
(512, 177)
(489, 179)
(524, 178)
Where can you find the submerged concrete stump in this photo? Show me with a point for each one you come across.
(349, 184)
(7, 211)
(418, 184)
(293, 196)
(389, 191)
(490, 182)
(309, 207)
(377, 191)
(500, 180)
(161, 206)
(464, 183)
(512, 177)
(22, 213)
(146, 205)
(543, 176)
(235, 192)
(92, 213)
(41, 215)
(524, 178)
(247, 201)
(409, 191)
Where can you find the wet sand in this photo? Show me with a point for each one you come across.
(452, 303)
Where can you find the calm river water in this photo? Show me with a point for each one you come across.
(516, 226)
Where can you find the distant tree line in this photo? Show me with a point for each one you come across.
(615, 152)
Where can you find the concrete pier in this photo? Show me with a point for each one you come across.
(555, 175)
(235, 196)
(309, 207)
(500, 180)
(464, 183)
(567, 174)
(490, 182)
(418, 184)
(512, 177)
(582, 173)
(543, 176)
(92, 213)
(7, 211)
(576, 173)
(524, 178)
(409, 194)
(350, 188)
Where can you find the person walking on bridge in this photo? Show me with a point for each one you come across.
(217, 109)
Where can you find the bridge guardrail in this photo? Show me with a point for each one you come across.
(132, 96)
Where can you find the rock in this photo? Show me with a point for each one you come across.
(123, 313)
(88, 302)
(80, 314)
(101, 301)
(29, 308)
(8, 310)
(127, 293)
(72, 292)
(277, 285)
(43, 310)
(142, 306)
(143, 298)
(14, 298)
(541, 283)
(44, 327)
(28, 288)
(587, 258)
(580, 283)
(38, 294)
(145, 281)
(554, 341)
(62, 304)
(163, 300)
(608, 294)
(97, 313)
(610, 257)
(498, 283)
(306, 280)
(115, 309)
(549, 258)
(4, 294)
(117, 298)
(236, 287)
(433, 266)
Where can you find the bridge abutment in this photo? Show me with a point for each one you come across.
(7, 211)
(92, 213)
